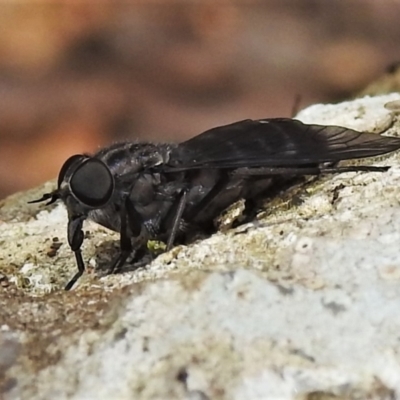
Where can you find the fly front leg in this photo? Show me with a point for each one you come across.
(132, 230)
(125, 246)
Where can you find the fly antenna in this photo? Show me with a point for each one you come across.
(53, 196)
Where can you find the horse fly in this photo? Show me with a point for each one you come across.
(169, 191)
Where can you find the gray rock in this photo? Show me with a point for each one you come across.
(302, 303)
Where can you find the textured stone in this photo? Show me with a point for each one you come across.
(302, 303)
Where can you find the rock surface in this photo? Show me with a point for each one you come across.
(302, 303)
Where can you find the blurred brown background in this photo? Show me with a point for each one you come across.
(76, 75)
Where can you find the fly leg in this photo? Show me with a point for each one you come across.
(177, 220)
(209, 197)
(292, 173)
(132, 227)
(296, 171)
(199, 217)
(355, 168)
(177, 210)
(124, 243)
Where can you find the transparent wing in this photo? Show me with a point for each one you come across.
(278, 142)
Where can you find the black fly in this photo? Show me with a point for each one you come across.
(168, 191)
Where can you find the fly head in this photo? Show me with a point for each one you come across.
(84, 183)
(88, 180)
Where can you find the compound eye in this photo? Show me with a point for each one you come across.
(92, 183)
(67, 165)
